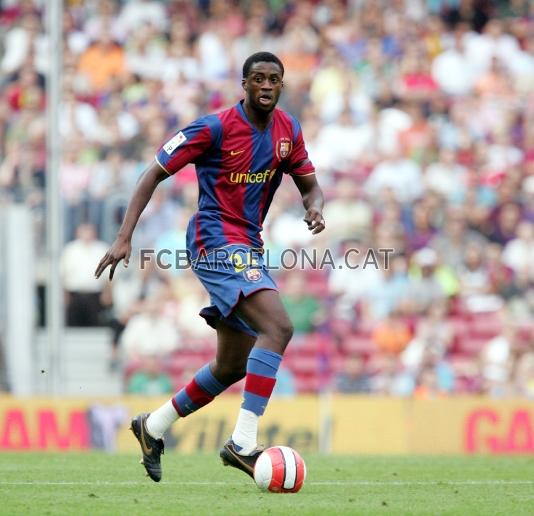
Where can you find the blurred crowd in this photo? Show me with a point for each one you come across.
(419, 118)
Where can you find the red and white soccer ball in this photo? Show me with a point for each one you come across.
(280, 469)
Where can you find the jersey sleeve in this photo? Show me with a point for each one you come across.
(186, 146)
(299, 163)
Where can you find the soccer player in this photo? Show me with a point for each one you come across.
(240, 155)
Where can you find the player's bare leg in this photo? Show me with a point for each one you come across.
(265, 313)
(229, 366)
(233, 349)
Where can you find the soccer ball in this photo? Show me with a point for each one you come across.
(280, 469)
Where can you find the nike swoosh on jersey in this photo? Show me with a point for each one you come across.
(236, 152)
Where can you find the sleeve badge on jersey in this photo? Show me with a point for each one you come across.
(174, 142)
(283, 147)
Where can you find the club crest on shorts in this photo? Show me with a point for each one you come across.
(284, 146)
(253, 274)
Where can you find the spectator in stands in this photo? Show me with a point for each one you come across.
(25, 42)
(418, 227)
(452, 70)
(475, 285)
(350, 286)
(302, 307)
(497, 360)
(505, 221)
(393, 293)
(353, 378)
(400, 174)
(150, 379)
(502, 279)
(83, 292)
(157, 219)
(418, 119)
(382, 369)
(432, 339)
(26, 90)
(524, 376)
(350, 214)
(392, 335)
(149, 333)
(447, 177)
(425, 285)
(125, 297)
(451, 243)
(285, 384)
(518, 253)
(427, 384)
(416, 141)
(102, 62)
(76, 116)
(188, 308)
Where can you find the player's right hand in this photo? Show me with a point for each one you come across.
(120, 250)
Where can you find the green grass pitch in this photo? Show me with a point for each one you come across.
(97, 483)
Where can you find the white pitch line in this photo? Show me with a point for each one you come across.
(310, 483)
(424, 482)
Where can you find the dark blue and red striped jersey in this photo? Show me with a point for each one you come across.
(239, 168)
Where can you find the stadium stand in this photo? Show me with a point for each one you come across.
(422, 111)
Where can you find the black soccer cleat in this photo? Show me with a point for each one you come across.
(231, 457)
(152, 448)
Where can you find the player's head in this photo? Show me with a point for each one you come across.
(262, 81)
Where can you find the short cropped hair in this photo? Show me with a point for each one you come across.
(259, 57)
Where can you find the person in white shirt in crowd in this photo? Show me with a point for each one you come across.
(82, 289)
(25, 41)
(352, 284)
(447, 177)
(492, 43)
(77, 117)
(452, 242)
(497, 360)
(518, 254)
(136, 13)
(400, 174)
(453, 71)
(350, 213)
(105, 17)
(149, 333)
(425, 288)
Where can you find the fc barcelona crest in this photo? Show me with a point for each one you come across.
(284, 146)
(253, 274)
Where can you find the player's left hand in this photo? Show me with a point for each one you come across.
(314, 219)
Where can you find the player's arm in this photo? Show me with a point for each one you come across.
(313, 201)
(184, 147)
(122, 247)
(302, 171)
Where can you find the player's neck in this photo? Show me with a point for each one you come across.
(259, 119)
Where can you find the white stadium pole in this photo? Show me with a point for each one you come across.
(54, 291)
(19, 255)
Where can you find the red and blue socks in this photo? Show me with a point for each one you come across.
(262, 366)
(197, 393)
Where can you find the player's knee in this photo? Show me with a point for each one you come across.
(228, 374)
(281, 334)
(287, 331)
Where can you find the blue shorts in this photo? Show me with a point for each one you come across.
(228, 274)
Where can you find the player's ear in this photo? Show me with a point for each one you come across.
(244, 83)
